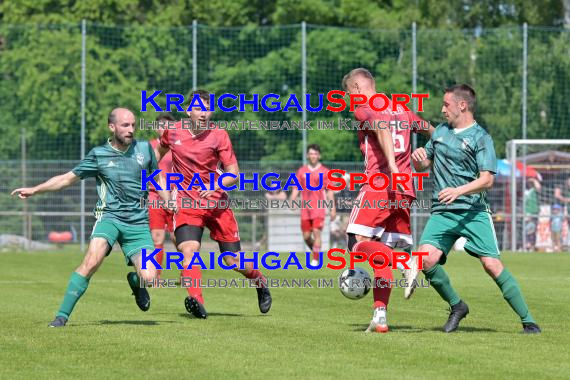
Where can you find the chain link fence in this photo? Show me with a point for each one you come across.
(521, 75)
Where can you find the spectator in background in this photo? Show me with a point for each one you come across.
(338, 237)
(556, 221)
(531, 205)
(562, 197)
(562, 194)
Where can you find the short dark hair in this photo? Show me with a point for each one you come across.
(166, 117)
(466, 93)
(314, 147)
(203, 94)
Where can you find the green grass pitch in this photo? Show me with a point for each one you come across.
(309, 333)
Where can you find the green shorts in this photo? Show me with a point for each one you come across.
(132, 239)
(444, 228)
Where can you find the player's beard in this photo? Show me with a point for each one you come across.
(123, 141)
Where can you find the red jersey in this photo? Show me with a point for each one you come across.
(313, 195)
(202, 154)
(374, 159)
(165, 165)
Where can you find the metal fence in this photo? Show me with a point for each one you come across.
(60, 81)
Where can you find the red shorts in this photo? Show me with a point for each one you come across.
(390, 224)
(220, 221)
(160, 219)
(307, 225)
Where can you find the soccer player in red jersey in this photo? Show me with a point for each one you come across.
(201, 149)
(386, 149)
(313, 219)
(160, 218)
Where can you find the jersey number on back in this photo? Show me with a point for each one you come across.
(399, 145)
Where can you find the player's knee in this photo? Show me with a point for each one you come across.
(492, 266)
(157, 237)
(148, 274)
(432, 257)
(230, 260)
(188, 248)
(89, 265)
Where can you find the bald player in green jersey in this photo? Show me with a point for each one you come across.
(117, 167)
(462, 158)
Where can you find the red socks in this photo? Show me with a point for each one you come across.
(382, 277)
(382, 286)
(159, 257)
(255, 274)
(196, 274)
(316, 249)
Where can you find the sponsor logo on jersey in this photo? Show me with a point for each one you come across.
(140, 158)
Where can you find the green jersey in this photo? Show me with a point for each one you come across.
(458, 158)
(119, 180)
(531, 202)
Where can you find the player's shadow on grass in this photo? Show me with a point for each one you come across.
(467, 329)
(398, 328)
(214, 314)
(411, 329)
(131, 322)
(186, 315)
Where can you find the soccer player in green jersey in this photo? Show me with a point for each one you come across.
(462, 157)
(117, 167)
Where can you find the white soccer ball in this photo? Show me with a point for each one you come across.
(354, 283)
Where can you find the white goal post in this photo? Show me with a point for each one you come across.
(513, 156)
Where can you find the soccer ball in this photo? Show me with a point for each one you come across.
(354, 283)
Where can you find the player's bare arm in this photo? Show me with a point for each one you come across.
(484, 182)
(164, 194)
(226, 181)
(53, 184)
(558, 195)
(427, 132)
(160, 151)
(330, 197)
(294, 195)
(420, 160)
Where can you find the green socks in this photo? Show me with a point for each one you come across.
(75, 288)
(440, 282)
(134, 280)
(509, 287)
(513, 295)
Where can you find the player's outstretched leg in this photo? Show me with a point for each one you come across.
(383, 279)
(264, 299)
(411, 274)
(75, 289)
(142, 298)
(194, 303)
(511, 292)
(195, 307)
(439, 280)
(79, 280)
